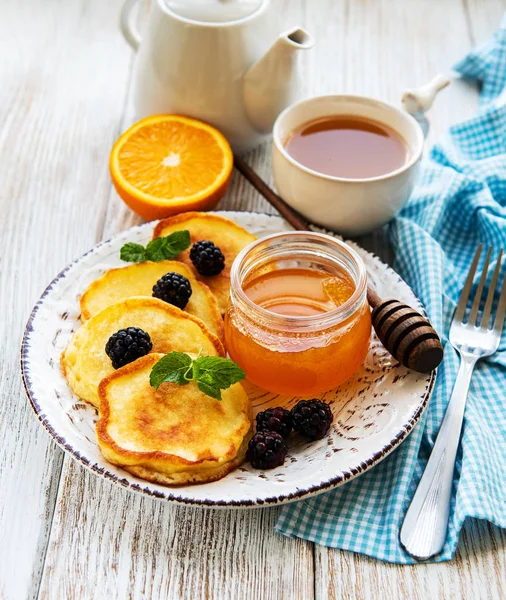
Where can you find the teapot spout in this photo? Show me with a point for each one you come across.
(271, 84)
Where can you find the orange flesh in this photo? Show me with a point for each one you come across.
(303, 364)
(171, 160)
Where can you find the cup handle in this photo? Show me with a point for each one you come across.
(128, 27)
(418, 101)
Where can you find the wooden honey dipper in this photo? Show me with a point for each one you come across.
(405, 333)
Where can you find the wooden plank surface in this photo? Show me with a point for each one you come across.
(478, 572)
(64, 100)
(63, 74)
(109, 543)
(483, 17)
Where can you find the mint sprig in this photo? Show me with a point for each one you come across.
(162, 248)
(131, 252)
(211, 373)
(175, 367)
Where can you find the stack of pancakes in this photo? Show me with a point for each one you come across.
(176, 434)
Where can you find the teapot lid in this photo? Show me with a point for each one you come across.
(214, 11)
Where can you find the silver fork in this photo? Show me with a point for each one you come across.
(423, 532)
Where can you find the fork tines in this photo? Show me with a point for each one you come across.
(487, 310)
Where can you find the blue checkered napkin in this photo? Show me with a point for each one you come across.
(459, 202)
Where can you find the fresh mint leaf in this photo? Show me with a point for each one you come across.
(211, 373)
(162, 248)
(175, 367)
(155, 250)
(168, 247)
(131, 252)
(209, 390)
(223, 372)
(175, 243)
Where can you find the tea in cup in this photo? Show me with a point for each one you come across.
(348, 146)
(347, 163)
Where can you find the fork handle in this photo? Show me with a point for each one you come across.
(423, 532)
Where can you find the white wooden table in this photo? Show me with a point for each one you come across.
(64, 533)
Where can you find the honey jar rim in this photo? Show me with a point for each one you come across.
(343, 253)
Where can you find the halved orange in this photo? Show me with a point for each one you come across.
(167, 164)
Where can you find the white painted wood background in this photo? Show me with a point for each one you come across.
(64, 533)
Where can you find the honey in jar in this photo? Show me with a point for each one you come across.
(298, 321)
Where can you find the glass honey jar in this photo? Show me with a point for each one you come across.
(298, 321)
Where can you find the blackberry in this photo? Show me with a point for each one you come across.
(174, 289)
(266, 450)
(275, 419)
(312, 419)
(127, 345)
(207, 258)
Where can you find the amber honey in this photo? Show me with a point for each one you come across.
(298, 321)
(299, 292)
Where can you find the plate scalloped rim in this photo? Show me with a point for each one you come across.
(365, 434)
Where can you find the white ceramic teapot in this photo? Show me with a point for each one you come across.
(216, 60)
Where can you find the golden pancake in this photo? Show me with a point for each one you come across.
(85, 363)
(138, 280)
(173, 435)
(227, 235)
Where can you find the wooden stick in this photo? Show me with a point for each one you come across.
(373, 298)
(296, 220)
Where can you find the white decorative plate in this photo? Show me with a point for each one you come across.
(373, 412)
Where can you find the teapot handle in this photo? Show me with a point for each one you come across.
(127, 25)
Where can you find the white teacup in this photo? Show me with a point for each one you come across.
(348, 206)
